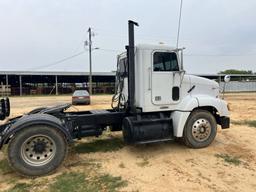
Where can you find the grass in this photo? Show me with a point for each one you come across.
(110, 183)
(229, 159)
(78, 182)
(69, 182)
(251, 123)
(20, 187)
(75, 182)
(101, 145)
(4, 167)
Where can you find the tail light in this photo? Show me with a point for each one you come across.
(85, 97)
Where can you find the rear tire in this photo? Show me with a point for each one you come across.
(36, 151)
(200, 129)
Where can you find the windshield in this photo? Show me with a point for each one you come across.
(81, 93)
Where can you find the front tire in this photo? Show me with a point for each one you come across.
(200, 129)
(36, 151)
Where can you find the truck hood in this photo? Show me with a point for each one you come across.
(204, 86)
(195, 80)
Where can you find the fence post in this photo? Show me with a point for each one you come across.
(20, 79)
(56, 84)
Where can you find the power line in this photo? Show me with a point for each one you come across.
(71, 57)
(59, 61)
(116, 50)
(111, 50)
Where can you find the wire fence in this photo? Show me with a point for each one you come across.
(239, 86)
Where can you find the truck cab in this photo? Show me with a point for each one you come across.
(162, 86)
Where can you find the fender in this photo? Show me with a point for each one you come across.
(35, 119)
(219, 104)
(180, 115)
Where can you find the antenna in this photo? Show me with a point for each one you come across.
(178, 35)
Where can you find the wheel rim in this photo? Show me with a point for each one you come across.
(38, 150)
(201, 130)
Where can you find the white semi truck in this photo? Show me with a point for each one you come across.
(155, 100)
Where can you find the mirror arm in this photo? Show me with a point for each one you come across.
(181, 60)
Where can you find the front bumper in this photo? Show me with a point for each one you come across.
(224, 122)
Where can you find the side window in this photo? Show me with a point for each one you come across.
(164, 61)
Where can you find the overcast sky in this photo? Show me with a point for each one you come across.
(34, 34)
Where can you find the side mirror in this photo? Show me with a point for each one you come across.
(227, 78)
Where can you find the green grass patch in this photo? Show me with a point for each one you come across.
(100, 145)
(69, 182)
(251, 123)
(110, 183)
(4, 167)
(77, 182)
(229, 159)
(20, 187)
(73, 181)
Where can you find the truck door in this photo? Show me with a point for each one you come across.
(165, 78)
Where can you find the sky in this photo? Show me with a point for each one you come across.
(37, 34)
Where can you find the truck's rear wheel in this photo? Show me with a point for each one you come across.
(200, 129)
(37, 150)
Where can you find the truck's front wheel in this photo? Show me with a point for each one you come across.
(200, 129)
(37, 150)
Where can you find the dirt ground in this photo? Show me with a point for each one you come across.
(171, 166)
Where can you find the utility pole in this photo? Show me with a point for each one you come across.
(90, 59)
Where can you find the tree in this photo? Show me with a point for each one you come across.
(235, 71)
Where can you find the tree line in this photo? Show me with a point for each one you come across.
(235, 71)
